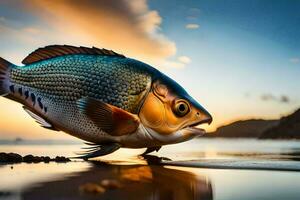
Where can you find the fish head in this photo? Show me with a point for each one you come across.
(171, 114)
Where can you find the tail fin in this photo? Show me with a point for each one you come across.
(5, 68)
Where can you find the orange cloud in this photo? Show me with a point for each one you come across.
(184, 59)
(126, 26)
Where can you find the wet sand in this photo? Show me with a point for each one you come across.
(221, 175)
(137, 181)
(151, 179)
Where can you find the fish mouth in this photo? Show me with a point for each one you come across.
(195, 130)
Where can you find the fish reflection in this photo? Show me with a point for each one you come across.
(135, 182)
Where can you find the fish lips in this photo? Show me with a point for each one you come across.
(195, 131)
(192, 129)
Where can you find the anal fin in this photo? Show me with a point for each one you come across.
(44, 123)
(96, 150)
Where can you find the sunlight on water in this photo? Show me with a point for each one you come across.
(228, 149)
(22, 175)
(249, 184)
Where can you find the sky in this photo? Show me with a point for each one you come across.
(239, 59)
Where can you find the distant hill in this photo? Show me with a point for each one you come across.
(252, 128)
(288, 128)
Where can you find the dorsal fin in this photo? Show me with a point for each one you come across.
(53, 51)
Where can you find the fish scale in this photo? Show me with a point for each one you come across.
(60, 82)
(112, 80)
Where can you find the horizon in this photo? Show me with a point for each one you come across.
(239, 60)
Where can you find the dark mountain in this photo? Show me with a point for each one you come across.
(288, 128)
(252, 128)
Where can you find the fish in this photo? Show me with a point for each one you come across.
(102, 97)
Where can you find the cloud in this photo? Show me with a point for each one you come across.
(295, 60)
(180, 63)
(193, 14)
(166, 64)
(32, 30)
(247, 95)
(19, 35)
(191, 26)
(15, 40)
(184, 59)
(267, 97)
(271, 97)
(191, 18)
(194, 11)
(285, 99)
(125, 26)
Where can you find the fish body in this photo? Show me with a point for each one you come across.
(98, 95)
(60, 82)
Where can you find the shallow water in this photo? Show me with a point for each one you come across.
(178, 179)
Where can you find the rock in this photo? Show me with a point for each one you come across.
(5, 194)
(42, 157)
(92, 188)
(10, 158)
(46, 159)
(28, 158)
(111, 184)
(154, 160)
(3, 157)
(37, 159)
(32, 159)
(61, 159)
(14, 158)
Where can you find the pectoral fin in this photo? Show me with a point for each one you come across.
(111, 119)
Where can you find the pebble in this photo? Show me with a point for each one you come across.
(28, 158)
(111, 184)
(5, 194)
(92, 188)
(10, 158)
(16, 158)
(61, 159)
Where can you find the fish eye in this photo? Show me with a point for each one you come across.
(181, 108)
